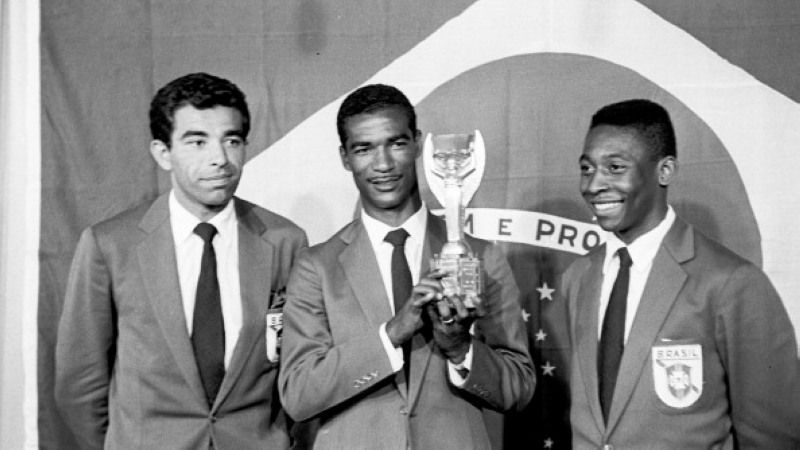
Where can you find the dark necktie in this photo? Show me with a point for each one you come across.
(401, 280)
(208, 329)
(612, 336)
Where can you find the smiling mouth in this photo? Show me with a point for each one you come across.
(607, 206)
(387, 182)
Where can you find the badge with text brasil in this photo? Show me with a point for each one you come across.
(678, 373)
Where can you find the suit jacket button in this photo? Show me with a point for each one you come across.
(403, 411)
(608, 447)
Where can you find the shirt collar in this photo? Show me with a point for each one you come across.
(644, 248)
(183, 222)
(415, 226)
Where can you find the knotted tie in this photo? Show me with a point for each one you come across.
(401, 281)
(208, 329)
(612, 337)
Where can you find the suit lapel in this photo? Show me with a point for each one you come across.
(664, 282)
(360, 266)
(586, 329)
(255, 281)
(156, 259)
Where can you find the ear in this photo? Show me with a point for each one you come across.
(418, 142)
(343, 157)
(161, 153)
(667, 170)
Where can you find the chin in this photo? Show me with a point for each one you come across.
(608, 224)
(218, 202)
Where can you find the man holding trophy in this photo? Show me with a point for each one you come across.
(399, 330)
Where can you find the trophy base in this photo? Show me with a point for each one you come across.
(463, 278)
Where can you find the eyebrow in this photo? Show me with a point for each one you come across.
(237, 133)
(192, 133)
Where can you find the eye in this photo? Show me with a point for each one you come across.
(195, 142)
(616, 168)
(586, 169)
(233, 142)
(400, 144)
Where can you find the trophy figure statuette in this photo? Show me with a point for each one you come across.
(451, 160)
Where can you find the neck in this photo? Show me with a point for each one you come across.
(396, 216)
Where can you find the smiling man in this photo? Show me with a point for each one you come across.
(161, 343)
(370, 347)
(677, 342)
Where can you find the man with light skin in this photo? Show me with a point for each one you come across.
(378, 366)
(677, 341)
(161, 343)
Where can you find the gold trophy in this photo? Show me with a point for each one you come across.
(454, 165)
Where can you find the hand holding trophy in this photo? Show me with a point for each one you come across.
(454, 166)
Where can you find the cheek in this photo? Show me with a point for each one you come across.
(236, 157)
(583, 183)
(357, 165)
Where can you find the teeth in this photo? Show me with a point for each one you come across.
(606, 206)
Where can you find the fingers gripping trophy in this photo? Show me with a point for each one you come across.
(454, 165)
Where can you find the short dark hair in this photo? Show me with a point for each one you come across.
(647, 118)
(201, 90)
(371, 98)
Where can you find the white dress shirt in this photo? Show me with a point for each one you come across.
(415, 226)
(188, 254)
(643, 250)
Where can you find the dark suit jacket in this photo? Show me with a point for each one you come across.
(336, 369)
(698, 292)
(126, 376)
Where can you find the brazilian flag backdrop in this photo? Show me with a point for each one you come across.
(527, 73)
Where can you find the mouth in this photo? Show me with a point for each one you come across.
(222, 179)
(606, 206)
(384, 183)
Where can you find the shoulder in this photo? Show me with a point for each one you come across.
(715, 262)
(271, 227)
(271, 220)
(335, 244)
(123, 226)
(720, 270)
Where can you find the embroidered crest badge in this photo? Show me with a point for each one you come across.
(274, 326)
(678, 374)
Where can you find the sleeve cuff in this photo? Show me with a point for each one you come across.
(395, 354)
(459, 372)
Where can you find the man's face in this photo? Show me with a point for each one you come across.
(205, 157)
(381, 151)
(622, 184)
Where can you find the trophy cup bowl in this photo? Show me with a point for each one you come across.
(450, 161)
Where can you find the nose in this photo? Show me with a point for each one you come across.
(383, 161)
(594, 183)
(217, 154)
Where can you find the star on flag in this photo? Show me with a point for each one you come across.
(545, 292)
(540, 335)
(525, 315)
(548, 369)
(548, 443)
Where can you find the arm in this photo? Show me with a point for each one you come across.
(85, 345)
(502, 372)
(759, 351)
(317, 371)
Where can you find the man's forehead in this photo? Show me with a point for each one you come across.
(392, 120)
(614, 139)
